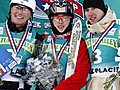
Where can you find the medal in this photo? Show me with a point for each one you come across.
(17, 58)
(93, 56)
(16, 48)
(100, 38)
(58, 56)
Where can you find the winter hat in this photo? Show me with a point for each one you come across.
(94, 3)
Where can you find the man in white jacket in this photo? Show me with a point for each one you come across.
(102, 39)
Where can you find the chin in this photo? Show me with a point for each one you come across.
(61, 30)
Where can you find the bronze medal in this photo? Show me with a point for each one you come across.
(93, 57)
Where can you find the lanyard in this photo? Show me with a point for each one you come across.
(100, 38)
(57, 57)
(15, 48)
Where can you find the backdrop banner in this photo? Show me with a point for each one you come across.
(41, 21)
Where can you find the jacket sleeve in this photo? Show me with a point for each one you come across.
(78, 79)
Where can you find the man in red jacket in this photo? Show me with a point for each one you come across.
(64, 48)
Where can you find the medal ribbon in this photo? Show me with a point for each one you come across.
(15, 48)
(67, 35)
(57, 57)
(102, 36)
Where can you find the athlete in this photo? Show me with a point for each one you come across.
(58, 43)
(102, 39)
(18, 38)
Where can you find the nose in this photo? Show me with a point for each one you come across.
(20, 12)
(60, 21)
(90, 12)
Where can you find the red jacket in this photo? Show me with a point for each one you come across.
(78, 79)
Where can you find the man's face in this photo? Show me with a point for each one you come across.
(19, 15)
(61, 21)
(94, 15)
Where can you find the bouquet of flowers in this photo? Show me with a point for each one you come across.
(43, 71)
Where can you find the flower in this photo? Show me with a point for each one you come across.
(43, 71)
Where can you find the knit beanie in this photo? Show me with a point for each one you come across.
(94, 3)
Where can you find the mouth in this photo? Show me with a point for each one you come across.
(18, 17)
(92, 19)
(60, 26)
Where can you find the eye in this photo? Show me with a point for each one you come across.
(65, 17)
(18, 7)
(56, 17)
(86, 10)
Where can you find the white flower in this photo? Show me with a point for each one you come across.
(45, 71)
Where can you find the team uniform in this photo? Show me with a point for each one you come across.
(17, 43)
(58, 46)
(24, 42)
(77, 80)
(104, 45)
